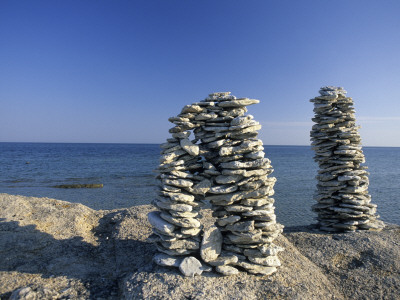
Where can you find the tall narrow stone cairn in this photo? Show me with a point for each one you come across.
(225, 165)
(342, 190)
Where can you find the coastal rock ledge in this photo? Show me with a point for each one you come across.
(52, 249)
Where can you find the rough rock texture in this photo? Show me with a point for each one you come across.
(68, 250)
(52, 249)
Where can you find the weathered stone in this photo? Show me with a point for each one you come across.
(256, 269)
(244, 165)
(227, 270)
(175, 252)
(174, 206)
(183, 214)
(245, 238)
(223, 189)
(180, 197)
(189, 147)
(157, 222)
(191, 109)
(257, 201)
(181, 174)
(181, 244)
(201, 188)
(244, 147)
(211, 244)
(228, 220)
(181, 135)
(268, 261)
(226, 179)
(239, 102)
(190, 266)
(178, 182)
(224, 260)
(238, 208)
(182, 222)
(167, 260)
(241, 226)
(241, 120)
(190, 231)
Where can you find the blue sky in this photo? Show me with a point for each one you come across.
(114, 71)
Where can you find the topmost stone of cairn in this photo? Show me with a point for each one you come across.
(220, 96)
(332, 91)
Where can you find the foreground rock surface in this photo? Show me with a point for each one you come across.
(51, 249)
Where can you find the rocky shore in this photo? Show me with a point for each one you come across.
(52, 249)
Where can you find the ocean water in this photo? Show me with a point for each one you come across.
(126, 170)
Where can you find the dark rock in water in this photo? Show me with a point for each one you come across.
(80, 186)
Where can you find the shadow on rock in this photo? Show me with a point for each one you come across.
(50, 267)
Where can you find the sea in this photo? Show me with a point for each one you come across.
(128, 177)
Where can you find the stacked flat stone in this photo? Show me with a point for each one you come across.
(344, 203)
(225, 165)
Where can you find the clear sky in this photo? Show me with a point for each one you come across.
(114, 71)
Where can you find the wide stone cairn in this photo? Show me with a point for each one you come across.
(223, 165)
(342, 190)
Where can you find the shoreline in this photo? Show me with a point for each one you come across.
(53, 248)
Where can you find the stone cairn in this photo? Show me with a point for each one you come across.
(342, 190)
(223, 165)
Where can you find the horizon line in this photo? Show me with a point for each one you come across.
(142, 143)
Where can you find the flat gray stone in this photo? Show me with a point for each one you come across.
(257, 269)
(224, 260)
(178, 182)
(160, 224)
(238, 102)
(165, 260)
(268, 261)
(189, 147)
(226, 179)
(190, 266)
(227, 270)
(182, 222)
(202, 187)
(181, 244)
(211, 244)
(228, 220)
(223, 189)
